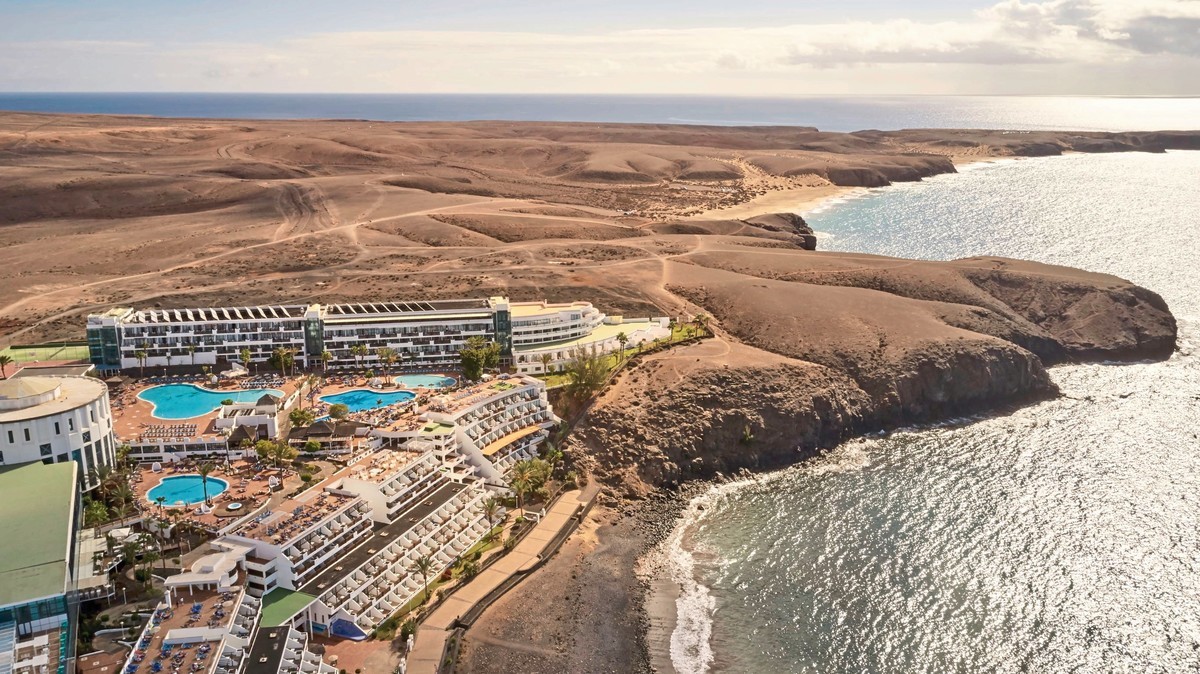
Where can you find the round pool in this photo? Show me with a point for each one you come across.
(186, 488)
(186, 401)
(424, 381)
(361, 399)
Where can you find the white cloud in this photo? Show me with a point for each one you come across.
(1120, 45)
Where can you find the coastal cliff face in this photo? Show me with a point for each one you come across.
(866, 344)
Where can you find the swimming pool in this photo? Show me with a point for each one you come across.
(360, 399)
(186, 488)
(424, 381)
(185, 401)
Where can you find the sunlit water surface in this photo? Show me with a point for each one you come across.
(1061, 538)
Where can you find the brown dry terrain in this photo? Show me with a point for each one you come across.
(97, 210)
(810, 347)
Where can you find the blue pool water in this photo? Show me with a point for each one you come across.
(185, 401)
(186, 488)
(361, 399)
(424, 381)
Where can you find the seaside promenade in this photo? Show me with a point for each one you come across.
(430, 641)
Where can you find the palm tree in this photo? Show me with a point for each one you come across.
(280, 355)
(122, 510)
(160, 500)
(204, 470)
(280, 452)
(191, 349)
(5, 361)
(546, 358)
(622, 339)
(387, 356)
(102, 476)
(701, 320)
(491, 508)
(244, 354)
(671, 325)
(149, 557)
(325, 358)
(141, 356)
(520, 486)
(358, 351)
(423, 566)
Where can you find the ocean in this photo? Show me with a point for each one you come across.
(1064, 537)
(845, 113)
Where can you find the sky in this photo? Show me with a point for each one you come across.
(725, 47)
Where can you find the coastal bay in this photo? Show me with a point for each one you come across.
(811, 347)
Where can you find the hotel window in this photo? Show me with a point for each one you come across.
(45, 449)
(87, 436)
(26, 434)
(63, 458)
(10, 438)
(92, 413)
(57, 428)
(71, 424)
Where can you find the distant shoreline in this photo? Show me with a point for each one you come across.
(827, 113)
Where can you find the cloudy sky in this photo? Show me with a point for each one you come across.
(740, 47)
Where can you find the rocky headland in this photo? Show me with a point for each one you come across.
(809, 347)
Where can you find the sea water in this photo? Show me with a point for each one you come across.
(1062, 538)
(828, 113)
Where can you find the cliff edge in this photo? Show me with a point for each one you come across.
(814, 348)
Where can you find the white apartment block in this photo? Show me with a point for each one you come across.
(424, 334)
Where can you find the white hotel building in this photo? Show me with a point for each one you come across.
(337, 559)
(427, 335)
(54, 419)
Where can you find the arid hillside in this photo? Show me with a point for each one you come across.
(98, 210)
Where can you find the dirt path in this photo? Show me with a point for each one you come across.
(9, 308)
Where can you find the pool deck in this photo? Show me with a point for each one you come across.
(246, 486)
(134, 417)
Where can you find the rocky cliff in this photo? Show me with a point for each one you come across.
(807, 355)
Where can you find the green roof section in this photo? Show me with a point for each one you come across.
(281, 605)
(37, 503)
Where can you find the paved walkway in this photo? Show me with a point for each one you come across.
(431, 636)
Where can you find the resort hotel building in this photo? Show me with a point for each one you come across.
(56, 419)
(40, 514)
(426, 334)
(339, 558)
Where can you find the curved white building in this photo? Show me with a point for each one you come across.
(543, 322)
(54, 420)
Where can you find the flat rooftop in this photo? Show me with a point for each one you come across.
(37, 503)
(216, 314)
(414, 307)
(293, 517)
(23, 392)
(380, 538)
(281, 604)
(53, 371)
(266, 653)
(528, 309)
(380, 465)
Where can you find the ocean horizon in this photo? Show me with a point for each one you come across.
(827, 113)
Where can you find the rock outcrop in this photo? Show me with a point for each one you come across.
(806, 357)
